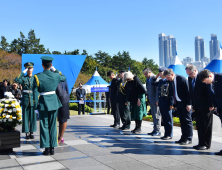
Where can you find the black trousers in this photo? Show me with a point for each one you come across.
(125, 116)
(204, 122)
(79, 108)
(115, 112)
(108, 106)
(167, 118)
(185, 121)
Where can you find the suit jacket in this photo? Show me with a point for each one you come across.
(79, 93)
(182, 89)
(216, 97)
(62, 93)
(152, 89)
(3, 90)
(200, 96)
(113, 88)
(48, 81)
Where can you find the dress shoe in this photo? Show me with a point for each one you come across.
(156, 134)
(112, 125)
(31, 135)
(52, 152)
(218, 153)
(116, 127)
(202, 148)
(27, 136)
(151, 133)
(46, 152)
(125, 128)
(186, 142)
(196, 146)
(179, 141)
(166, 138)
(137, 130)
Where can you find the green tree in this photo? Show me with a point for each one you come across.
(151, 64)
(56, 52)
(3, 44)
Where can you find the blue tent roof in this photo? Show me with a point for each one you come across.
(216, 64)
(96, 79)
(178, 67)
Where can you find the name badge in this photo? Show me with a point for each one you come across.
(81, 102)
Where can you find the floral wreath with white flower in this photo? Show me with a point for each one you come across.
(10, 113)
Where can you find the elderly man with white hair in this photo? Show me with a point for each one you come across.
(135, 94)
(152, 92)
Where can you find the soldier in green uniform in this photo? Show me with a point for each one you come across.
(28, 102)
(46, 83)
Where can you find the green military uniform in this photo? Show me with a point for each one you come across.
(28, 101)
(49, 103)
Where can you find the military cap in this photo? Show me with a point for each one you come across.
(162, 69)
(29, 64)
(122, 71)
(46, 59)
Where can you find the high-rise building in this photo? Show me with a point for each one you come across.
(214, 46)
(199, 48)
(167, 49)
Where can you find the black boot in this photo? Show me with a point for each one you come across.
(31, 135)
(138, 129)
(136, 124)
(27, 136)
(52, 151)
(46, 152)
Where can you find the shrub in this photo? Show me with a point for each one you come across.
(74, 106)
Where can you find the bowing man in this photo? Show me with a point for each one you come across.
(182, 103)
(215, 82)
(201, 102)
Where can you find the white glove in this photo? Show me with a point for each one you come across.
(53, 69)
(25, 70)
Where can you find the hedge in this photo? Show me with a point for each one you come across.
(74, 106)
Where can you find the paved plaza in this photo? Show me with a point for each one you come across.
(90, 144)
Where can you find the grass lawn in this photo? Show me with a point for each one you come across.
(75, 112)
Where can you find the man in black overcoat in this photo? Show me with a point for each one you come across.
(182, 103)
(114, 105)
(215, 83)
(201, 102)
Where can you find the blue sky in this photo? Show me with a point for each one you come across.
(113, 25)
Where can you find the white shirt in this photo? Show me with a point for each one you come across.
(175, 84)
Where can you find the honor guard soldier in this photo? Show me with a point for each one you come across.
(165, 103)
(28, 101)
(46, 83)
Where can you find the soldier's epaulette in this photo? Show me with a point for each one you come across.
(37, 79)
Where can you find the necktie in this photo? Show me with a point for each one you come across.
(193, 83)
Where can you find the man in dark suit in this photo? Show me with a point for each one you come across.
(81, 95)
(182, 103)
(201, 102)
(114, 105)
(215, 82)
(4, 88)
